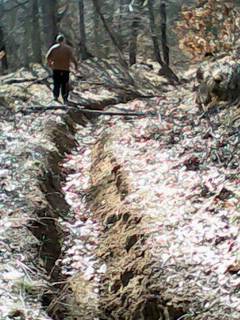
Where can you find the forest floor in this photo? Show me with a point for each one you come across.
(114, 217)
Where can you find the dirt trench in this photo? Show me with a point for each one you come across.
(123, 282)
(109, 274)
(118, 287)
(122, 288)
(125, 289)
(51, 206)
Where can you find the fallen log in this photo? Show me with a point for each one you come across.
(20, 80)
(127, 113)
(23, 80)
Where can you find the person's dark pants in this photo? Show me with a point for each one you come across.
(61, 82)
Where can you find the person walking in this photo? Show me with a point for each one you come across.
(59, 58)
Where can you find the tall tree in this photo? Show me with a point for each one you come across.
(49, 17)
(83, 48)
(97, 33)
(3, 52)
(35, 33)
(153, 32)
(123, 20)
(110, 33)
(165, 47)
(121, 13)
(135, 19)
(133, 40)
(26, 42)
(165, 68)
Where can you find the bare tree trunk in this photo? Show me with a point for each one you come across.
(153, 32)
(133, 40)
(120, 25)
(97, 34)
(3, 59)
(165, 70)
(165, 47)
(123, 23)
(83, 49)
(135, 20)
(110, 33)
(26, 43)
(35, 33)
(49, 10)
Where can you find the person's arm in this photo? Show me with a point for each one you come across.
(49, 55)
(74, 61)
(2, 54)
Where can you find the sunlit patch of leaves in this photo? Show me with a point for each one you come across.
(211, 26)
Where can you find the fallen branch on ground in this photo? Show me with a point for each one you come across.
(23, 80)
(118, 78)
(91, 111)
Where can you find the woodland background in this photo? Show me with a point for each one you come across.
(29, 27)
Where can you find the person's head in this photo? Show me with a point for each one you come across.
(60, 38)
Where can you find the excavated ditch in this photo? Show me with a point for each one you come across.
(126, 291)
(109, 277)
(122, 289)
(46, 227)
